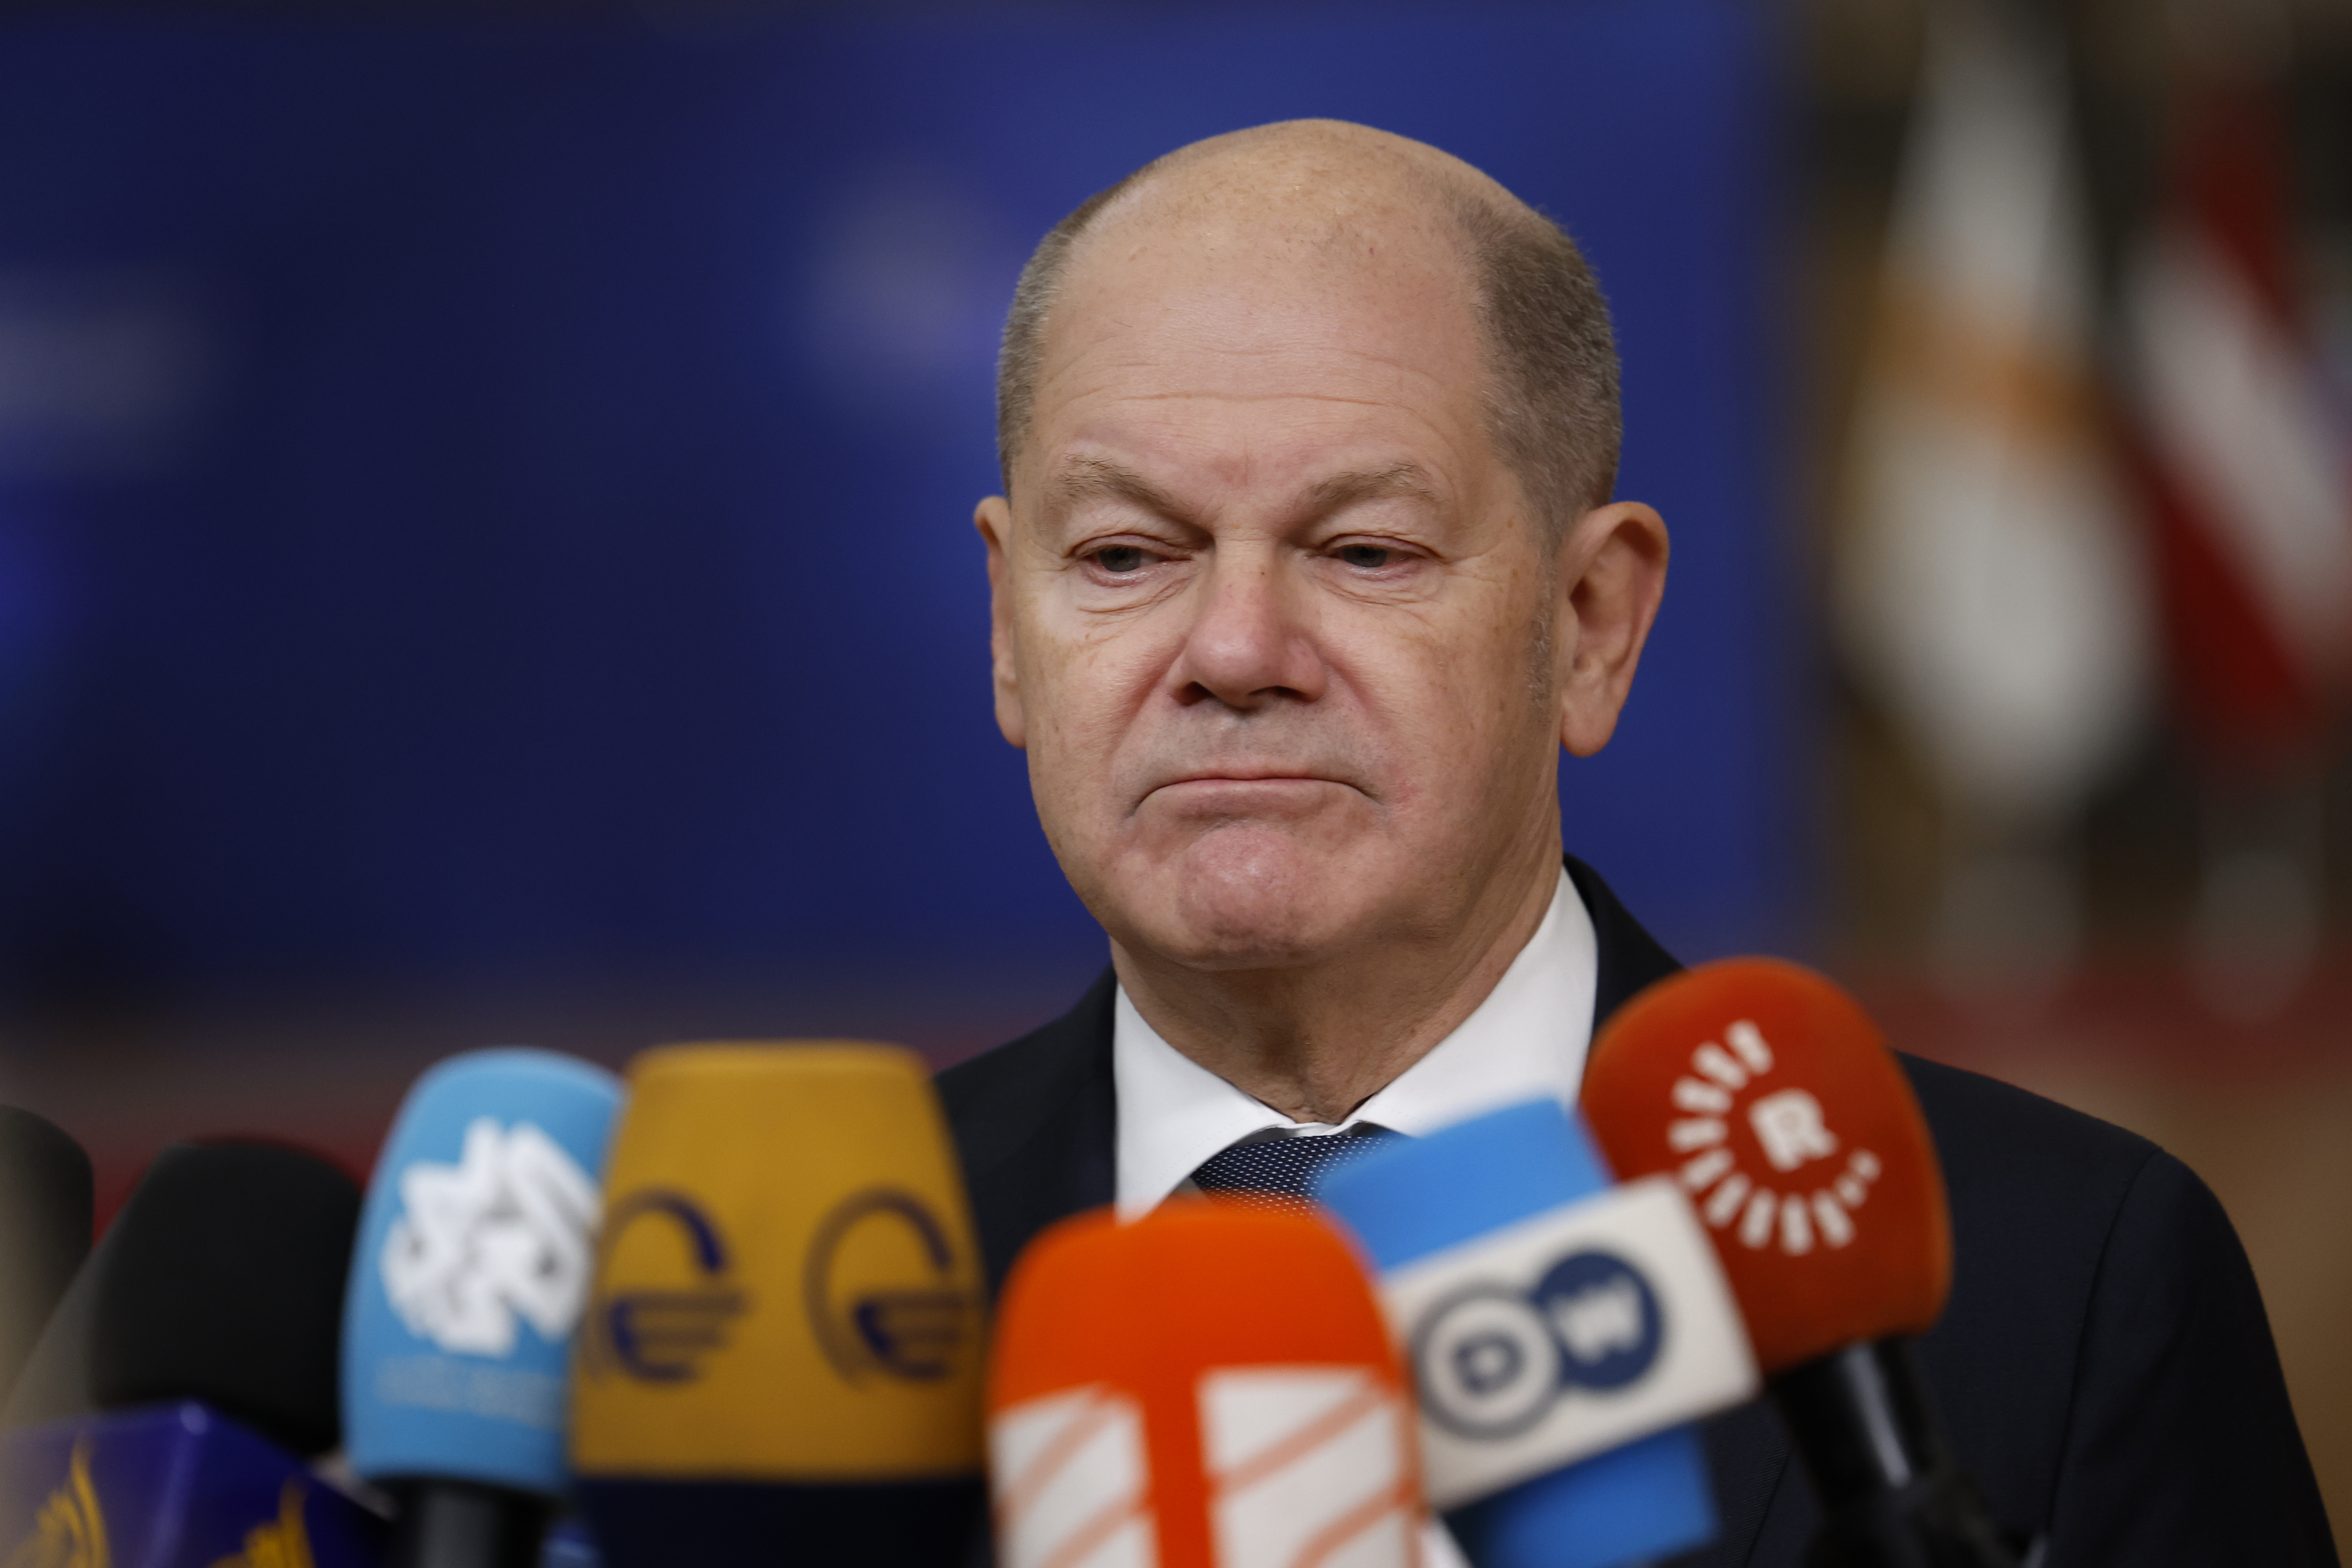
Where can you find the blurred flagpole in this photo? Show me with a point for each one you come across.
(2242, 459)
(1988, 591)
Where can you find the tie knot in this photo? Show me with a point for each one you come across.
(1281, 1173)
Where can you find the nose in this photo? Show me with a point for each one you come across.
(1249, 643)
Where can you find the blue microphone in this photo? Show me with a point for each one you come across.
(475, 1250)
(1563, 1335)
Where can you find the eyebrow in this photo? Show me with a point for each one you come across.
(1404, 479)
(1100, 479)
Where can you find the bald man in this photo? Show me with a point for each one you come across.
(1307, 568)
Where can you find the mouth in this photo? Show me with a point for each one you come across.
(1243, 776)
(1244, 790)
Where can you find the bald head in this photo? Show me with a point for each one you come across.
(1312, 196)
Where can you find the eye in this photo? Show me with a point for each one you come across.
(1118, 560)
(1366, 557)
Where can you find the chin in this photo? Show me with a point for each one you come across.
(1247, 897)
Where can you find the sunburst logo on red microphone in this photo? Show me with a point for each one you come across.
(1801, 1194)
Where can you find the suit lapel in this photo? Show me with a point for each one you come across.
(1626, 958)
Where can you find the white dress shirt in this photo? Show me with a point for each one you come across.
(1527, 1038)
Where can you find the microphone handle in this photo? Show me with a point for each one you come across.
(465, 1524)
(1891, 1495)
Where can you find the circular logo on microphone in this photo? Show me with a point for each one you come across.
(881, 1292)
(1491, 1362)
(1606, 1317)
(1729, 1089)
(665, 1296)
(1489, 1365)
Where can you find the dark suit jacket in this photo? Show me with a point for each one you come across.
(2105, 1369)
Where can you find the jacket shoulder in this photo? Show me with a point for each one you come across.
(2010, 1151)
(2034, 1190)
(2104, 1366)
(2103, 1369)
(995, 1100)
(1034, 1122)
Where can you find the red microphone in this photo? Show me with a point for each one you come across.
(1770, 1094)
(1211, 1386)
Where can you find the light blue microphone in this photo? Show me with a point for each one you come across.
(1563, 1333)
(475, 1256)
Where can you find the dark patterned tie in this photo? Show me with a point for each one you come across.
(1279, 1173)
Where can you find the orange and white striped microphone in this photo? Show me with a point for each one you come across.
(1209, 1387)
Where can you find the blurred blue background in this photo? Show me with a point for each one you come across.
(486, 501)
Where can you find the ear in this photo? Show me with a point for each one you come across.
(993, 518)
(1612, 572)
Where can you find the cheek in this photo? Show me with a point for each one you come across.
(1082, 696)
(1447, 700)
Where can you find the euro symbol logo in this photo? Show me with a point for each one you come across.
(661, 1335)
(877, 1304)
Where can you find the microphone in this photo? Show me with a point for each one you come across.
(470, 1275)
(222, 1281)
(784, 1339)
(188, 1364)
(1563, 1335)
(1211, 1386)
(44, 1224)
(1768, 1094)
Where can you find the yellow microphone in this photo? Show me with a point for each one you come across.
(783, 1345)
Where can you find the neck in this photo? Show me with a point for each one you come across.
(1314, 1041)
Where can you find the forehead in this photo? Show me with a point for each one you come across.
(1215, 333)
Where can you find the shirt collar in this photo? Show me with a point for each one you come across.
(1528, 1038)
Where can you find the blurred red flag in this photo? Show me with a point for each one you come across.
(2243, 458)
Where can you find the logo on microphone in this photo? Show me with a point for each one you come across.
(880, 1290)
(1492, 1362)
(70, 1529)
(1073, 1482)
(503, 1233)
(1307, 1465)
(661, 1332)
(1793, 1134)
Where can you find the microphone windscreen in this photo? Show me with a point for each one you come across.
(1563, 1335)
(221, 1281)
(472, 1271)
(1772, 1098)
(45, 1228)
(1210, 1386)
(785, 1337)
(171, 1486)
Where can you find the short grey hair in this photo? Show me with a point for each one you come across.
(1552, 402)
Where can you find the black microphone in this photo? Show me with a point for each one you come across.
(191, 1367)
(45, 1219)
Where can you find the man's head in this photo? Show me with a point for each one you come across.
(1551, 361)
(1307, 569)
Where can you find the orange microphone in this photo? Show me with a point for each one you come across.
(1208, 1387)
(1770, 1095)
